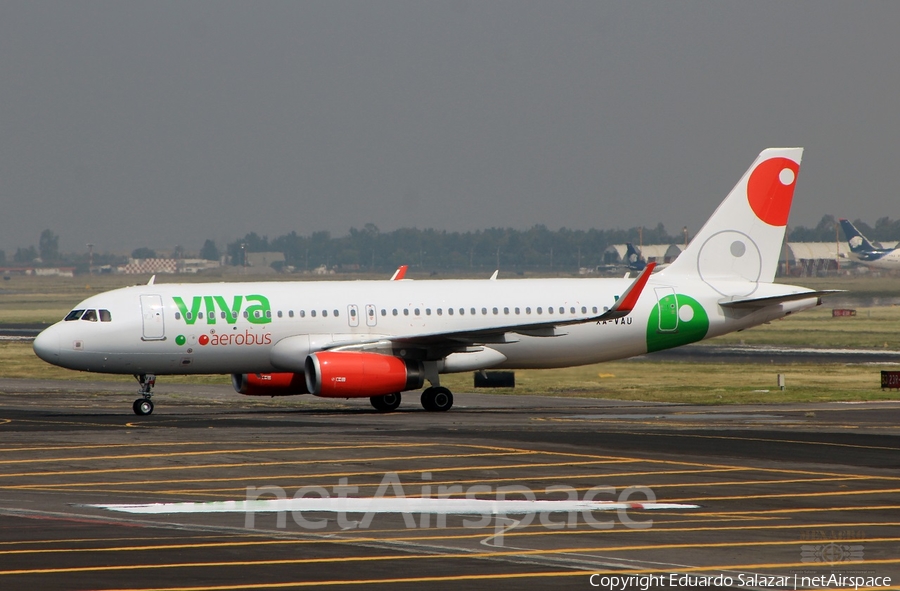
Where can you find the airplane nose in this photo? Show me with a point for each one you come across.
(46, 345)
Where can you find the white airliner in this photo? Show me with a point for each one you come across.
(863, 251)
(376, 339)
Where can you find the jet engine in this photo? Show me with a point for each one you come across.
(269, 384)
(352, 374)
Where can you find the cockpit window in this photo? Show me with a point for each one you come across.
(90, 315)
(74, 315)
(105, 316)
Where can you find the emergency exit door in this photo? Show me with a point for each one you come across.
(667, 304)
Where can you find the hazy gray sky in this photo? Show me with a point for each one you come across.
(158, 123)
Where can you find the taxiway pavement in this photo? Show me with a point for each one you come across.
(783, 489)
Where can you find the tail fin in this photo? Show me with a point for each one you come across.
(742, 240)
(857, 242)
(633, 258)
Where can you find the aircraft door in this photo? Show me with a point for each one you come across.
(353, 315)
(154, 323)
(371, 316)
(667, 304)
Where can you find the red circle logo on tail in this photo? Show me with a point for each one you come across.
(771, 189)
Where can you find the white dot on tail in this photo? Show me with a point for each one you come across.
(686, 313)
(786, 176)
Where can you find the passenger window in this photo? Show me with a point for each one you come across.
(406, 311)
(528, 310)
(324, 313)
(450, 311)
(472, 311)
(584, 309)
(105, 316)
(595, 309)
(462, 311)
(549, 309)
(540, 310)
(518, 311)
(506, 310)
(280, 315)
(290, 313)
(484, 311)
(416, 312)
(383, 312)
(90, 316)
(177, 316)
(74, 315)
(225, 316)
(188, 315)
(440, 311)
(495, 311)
(428, 311)
(394, 311)
(199, 315)
(312, 313)
(302, 313)
(336, 313)
(268, 313)
(246, 314)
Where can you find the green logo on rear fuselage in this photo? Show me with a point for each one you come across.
(676, 320)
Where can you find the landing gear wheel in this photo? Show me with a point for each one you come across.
(437, 399)
(142, 407)
(386, 403)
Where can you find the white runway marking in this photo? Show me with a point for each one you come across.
(392, 505)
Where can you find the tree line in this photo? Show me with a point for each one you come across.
(368, 249)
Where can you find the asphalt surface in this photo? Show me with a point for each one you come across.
(783, 490)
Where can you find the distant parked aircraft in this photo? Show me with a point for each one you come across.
(633, 258)
(865, 252)
(636, 261)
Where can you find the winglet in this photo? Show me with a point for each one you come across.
(625, 304)
(152, 280)
(400, 273)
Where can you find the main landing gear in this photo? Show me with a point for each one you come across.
(437, 399)
(386, 403)
(144, 406)
(434, 399)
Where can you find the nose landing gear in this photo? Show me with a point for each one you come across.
(144, 406)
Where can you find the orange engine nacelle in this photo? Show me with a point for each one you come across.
(269, 384)
(356, 375)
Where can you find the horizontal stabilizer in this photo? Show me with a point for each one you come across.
(772, 300)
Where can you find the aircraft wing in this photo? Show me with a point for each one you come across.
(777, 299)
(443, 343)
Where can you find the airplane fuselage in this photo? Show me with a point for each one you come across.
(883, 259)
(254, 327)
